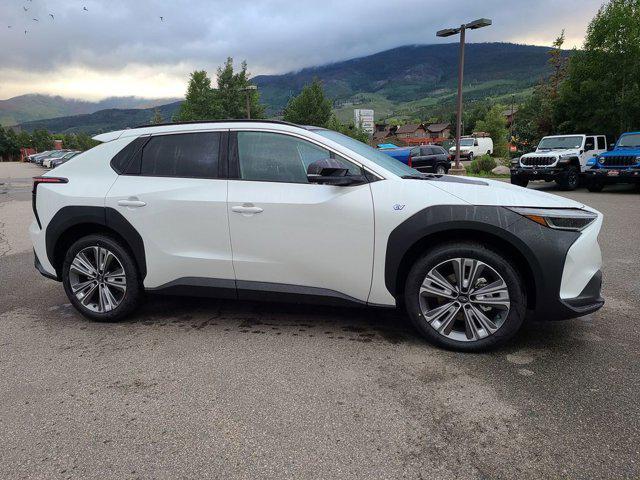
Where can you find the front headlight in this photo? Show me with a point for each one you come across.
(558, 218)
(591, 162)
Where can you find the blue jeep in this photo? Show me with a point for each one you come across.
(620, 165)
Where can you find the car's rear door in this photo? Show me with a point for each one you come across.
(174, 194)
(292, 236)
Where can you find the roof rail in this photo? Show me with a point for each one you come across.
(228, 120)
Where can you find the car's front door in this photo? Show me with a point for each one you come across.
(172, 194)
(292, 236)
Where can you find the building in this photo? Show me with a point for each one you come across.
(509, 115)
(364, 119)
(412, 131)
(439, 131)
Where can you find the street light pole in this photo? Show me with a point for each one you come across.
(249, 89)
(447, 32)
(459, 169)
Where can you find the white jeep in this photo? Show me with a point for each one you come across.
(558, 157)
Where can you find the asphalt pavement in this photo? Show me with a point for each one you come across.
(202, 388)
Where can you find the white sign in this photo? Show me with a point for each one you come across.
(364, 118)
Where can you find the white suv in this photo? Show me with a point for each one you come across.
(264, 209)
(562, 158)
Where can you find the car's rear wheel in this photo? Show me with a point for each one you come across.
(466, 297)
(441, 170)
(595, 186)
(101, 279)
(470, 156)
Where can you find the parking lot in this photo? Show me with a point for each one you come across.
(202, 388)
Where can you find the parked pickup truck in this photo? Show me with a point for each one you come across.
(620, 165)
(425, 158)
(559, 158)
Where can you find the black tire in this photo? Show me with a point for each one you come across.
(595, 186)
(441, 170)
(470, 158)
(134, 291)
(519, 180)
(569, 179)
(438, 255)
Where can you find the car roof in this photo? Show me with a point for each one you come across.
(190, 126)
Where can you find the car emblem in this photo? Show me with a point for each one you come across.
(397, 206)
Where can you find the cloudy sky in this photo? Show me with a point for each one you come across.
(121, 47)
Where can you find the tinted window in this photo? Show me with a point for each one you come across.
(273, 157)
(415, 152)
(439, 151)
(182, 155)
(602, 143)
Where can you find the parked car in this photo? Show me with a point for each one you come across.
(56, 162)
(46, 161)
(430, 158)
(559, 158)
(34, 156)
(471, 147)
(620, 165)
(402, 154)
(269, 210)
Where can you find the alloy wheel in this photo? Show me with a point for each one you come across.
(97, 279)
(464, 299)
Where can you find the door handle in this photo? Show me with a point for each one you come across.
(131, 202)
(246, 209)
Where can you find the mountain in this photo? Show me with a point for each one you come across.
(414, 81)
(393, 81)
(36, 107)
(103, 120)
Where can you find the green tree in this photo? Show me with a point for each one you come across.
(200, 102)
(85, 142)
(494, 124)
(42, 140)
(8, 144)
(350, 129)
(25, 140)
(310, 107)
(70, 141)
(602, 89)
(232, 92)
(157, 117)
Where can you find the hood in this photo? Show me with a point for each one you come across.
(493, 192)
(622, 152)
(554, 152)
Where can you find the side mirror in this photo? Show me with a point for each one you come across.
(331, 172)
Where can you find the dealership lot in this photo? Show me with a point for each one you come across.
(205, 388)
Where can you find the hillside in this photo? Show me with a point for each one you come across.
(392, 80)
(25, 108)
(102, 121)
(415, 81)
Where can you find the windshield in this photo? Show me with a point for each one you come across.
(466, 142)
(560, 142)
(630, 140)
(385, 161)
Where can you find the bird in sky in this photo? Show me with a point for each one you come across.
(162, 19)
(25, 32)
(52, 17)
(35, 19)
(85, 9)
(25, 8)
(9, 26)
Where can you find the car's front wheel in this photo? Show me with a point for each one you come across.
(519, 180)
(101, 279)
(465, 296)
(569, 179)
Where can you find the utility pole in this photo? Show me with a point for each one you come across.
(458, 168)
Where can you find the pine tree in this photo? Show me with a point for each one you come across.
(232, 92)
(157, 117)
(200, 102)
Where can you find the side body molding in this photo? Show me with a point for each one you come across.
(74, 216)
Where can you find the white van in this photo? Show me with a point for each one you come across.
(471, 147)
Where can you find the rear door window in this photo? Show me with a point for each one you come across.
(191, 155)
(602, 143)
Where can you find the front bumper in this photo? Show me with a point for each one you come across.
(589, 299)
(604, 175)
(533, 173)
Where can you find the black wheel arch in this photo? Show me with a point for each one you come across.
(74, 222)
(537, 252)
